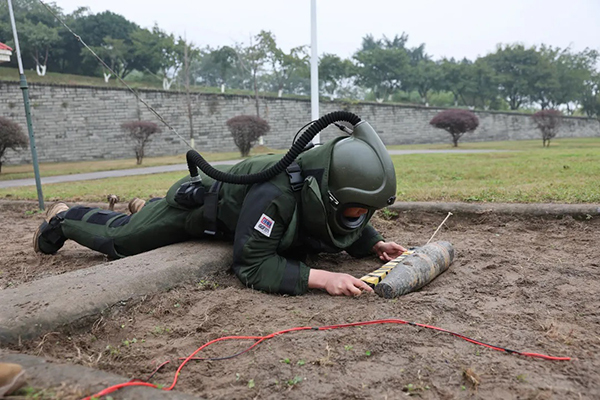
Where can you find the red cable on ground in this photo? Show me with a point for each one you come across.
(260, 339)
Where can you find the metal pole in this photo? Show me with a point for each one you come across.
(314, 68)
(25, 89)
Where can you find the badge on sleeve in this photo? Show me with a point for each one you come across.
(265, 225)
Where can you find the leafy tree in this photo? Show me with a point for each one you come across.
(282, 65)
(335, 74)
(94, 28)
(573, 71)
(157, 51)
(141, 132)
(38, 32)
(590, 97)
(246, 130)
(252, 59)
(11, 137)
(383, 65)
(423, 75)
(455, 79)
(215, 67)
(520, 72)
(116, 53)
(548, 122)
(483, 87)
(456, 122)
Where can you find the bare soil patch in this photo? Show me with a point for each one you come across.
(528, 284)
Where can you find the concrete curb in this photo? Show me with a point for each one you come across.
(34, 308)
(42, 374)
(536, 210)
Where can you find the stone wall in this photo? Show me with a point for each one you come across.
(74, 123)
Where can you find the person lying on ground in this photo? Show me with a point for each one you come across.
(273, 225)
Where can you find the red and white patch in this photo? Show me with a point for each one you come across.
(265, 225)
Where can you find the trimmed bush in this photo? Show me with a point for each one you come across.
(456, 123)
(140, 132)
(246, 129)
(548, 122)
(11, 137)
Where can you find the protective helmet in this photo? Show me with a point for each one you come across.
(361, 174)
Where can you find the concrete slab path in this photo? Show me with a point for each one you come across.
(42, 374)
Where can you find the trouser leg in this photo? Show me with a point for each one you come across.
(119, 235)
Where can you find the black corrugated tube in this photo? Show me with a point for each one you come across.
(195, 160)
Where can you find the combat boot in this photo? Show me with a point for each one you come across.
(135, 205)
(48, 238)
(12, 377)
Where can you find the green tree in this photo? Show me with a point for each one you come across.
(590, 97)
(252, 59)
(333, 72)
(479, 85)
(156, 51)
(424, 75)
(38, 32)
(382, 65)
(521, 73)
(455, 78)
(93, 28)
(282, 65)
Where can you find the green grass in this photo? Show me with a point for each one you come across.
(558, 174)
(568, 172)
(577, 143)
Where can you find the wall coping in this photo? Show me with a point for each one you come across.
(342, 103)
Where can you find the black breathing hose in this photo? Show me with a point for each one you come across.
(195, 160)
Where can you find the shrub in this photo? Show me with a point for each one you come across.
(246, 129)
(548, 122)
(11, 137)
(456, 123)
(140, 132)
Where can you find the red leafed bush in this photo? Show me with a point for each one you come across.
(456, 123)
(11, 137)
(140, 132)
(548, 122)
(246, 129)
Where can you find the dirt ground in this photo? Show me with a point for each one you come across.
(525, 284)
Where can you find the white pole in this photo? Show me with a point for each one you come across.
(314, 68)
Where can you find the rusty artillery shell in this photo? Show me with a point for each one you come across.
(417, 270)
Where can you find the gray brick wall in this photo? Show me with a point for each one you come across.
(83, 123)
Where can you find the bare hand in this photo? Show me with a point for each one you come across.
(344, 284)
(387, 251)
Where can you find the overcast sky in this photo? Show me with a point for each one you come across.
(449, 28)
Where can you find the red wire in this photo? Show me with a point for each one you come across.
(260, 339)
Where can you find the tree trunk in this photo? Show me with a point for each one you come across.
(106, 77)
(256, 99)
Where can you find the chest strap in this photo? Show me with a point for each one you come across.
(295, 174)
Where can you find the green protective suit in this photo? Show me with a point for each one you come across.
(272, 226)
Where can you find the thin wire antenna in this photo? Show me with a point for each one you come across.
(436, 231)
(137, 96)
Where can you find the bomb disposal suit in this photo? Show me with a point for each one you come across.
(272, 224)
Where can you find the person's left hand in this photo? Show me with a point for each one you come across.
(387, 251)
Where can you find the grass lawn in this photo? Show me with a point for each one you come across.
(568, 171)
